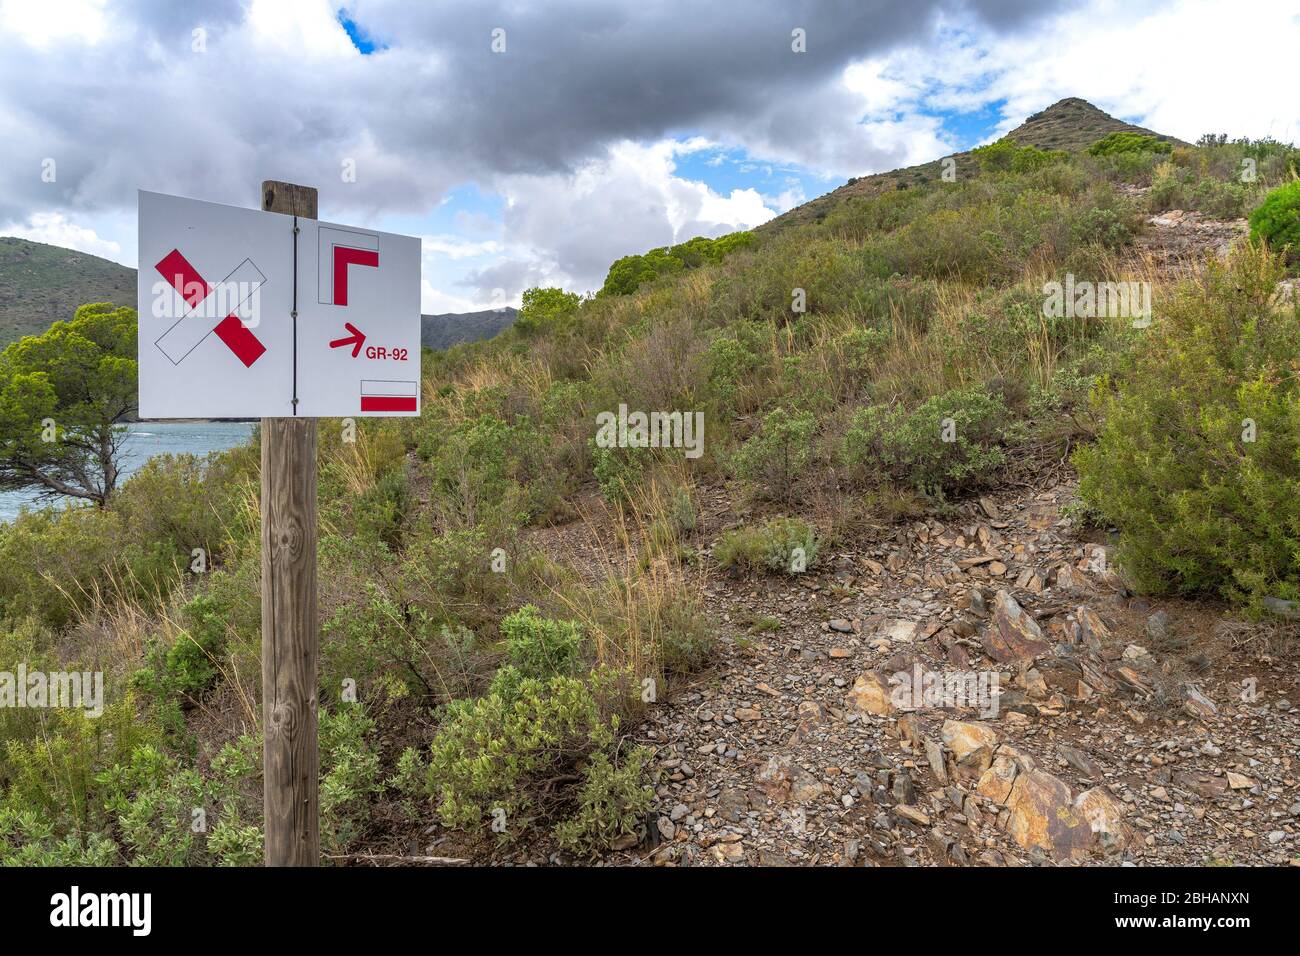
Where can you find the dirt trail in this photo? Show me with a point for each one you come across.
(1176, 727)
(1125, 730)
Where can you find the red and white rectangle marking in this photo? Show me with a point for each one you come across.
(384, 395)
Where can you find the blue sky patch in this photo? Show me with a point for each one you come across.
(360, 37)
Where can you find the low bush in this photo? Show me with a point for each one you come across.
(1127, 141)
(177, 674)
(170, 815)
(496, 759)
(1196, 460)
(950, 444)
(780, 545)
(775, 461)
(612, 802)
(540, 647)
(350, 775)
(619, 472)
(394, 650)
(1276, 220)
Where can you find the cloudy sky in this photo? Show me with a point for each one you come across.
(533, 143)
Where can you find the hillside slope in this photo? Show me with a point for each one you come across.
(40, 284)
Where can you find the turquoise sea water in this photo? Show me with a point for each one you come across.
(148, 439)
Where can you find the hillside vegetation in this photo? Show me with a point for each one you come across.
(40, 284)
(875, 359)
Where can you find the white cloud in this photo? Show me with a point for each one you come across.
(43, 24)
(456, 247)
(435, 301)
(298, 28)
(1183, 68)
(56, 230)
(566, 230)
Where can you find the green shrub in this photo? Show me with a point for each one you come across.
(1133, 168)
(1276, 220)
(950, 444)
(178, 674)
(181, 501)
(1005, 156)
(55, 774)
(449, 575)
(1107, 219)
(350, 775)
(612, 802)
(545, 310)
(166, 814)
(56, 563)
(378, 513)
(494, 755)
(1201, 508)
(1219, 198)
(987, 239)
(628, 274)
(683, 632)
(26, 642)
(388, 648)
(488, 471)
(731, 362)
(1128, 142)
(540, 647)
(619, 472)
(29, 839)
(776, 459)
(1169, 186)
(784, 545)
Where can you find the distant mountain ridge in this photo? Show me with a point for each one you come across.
(40, 284)
(1071, 124)
(451, 328)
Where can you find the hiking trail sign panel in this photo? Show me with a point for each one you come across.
(217, 289)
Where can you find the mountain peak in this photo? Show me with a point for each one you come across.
(1071, 124)
(1074, 124)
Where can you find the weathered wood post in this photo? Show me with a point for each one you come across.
(291, 760)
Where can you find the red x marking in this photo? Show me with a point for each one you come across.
(193, 288)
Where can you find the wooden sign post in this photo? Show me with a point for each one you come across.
(273, 314)
(290, 638)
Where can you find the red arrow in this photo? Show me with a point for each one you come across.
(356, 339)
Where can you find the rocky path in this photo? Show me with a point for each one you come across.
(1123, 731)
